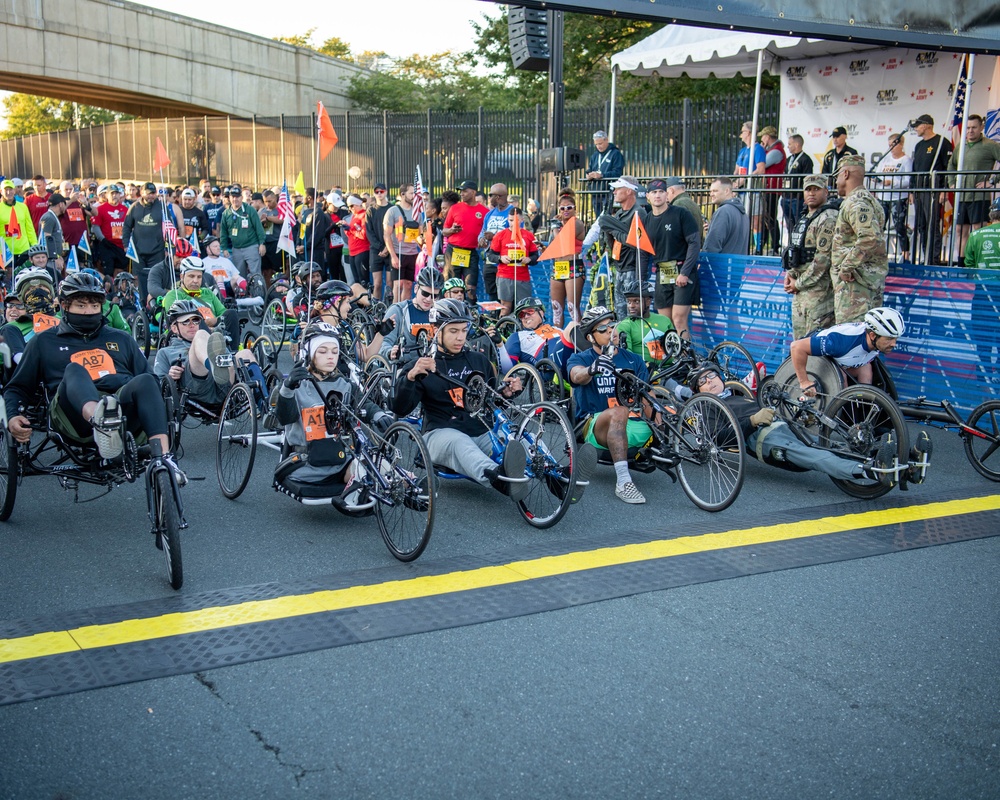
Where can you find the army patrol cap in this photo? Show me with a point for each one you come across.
(815, 180)
(851, 161)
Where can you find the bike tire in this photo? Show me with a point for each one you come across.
(552, 377)
(532, 385)
(9, 473)
(237, 441)
(551, 446)
(506, 327)
(256, 288)
(140, 332)
(175, 414)
(168, 527)
(274, 324)
(985, 444)
(736, 364)
(864, 415)
(712, 465)
(405, 509)
(822, 371)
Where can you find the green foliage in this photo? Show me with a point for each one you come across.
(27, 114)
(335, 47)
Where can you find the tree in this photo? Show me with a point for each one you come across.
(27, 114)
(334, 47)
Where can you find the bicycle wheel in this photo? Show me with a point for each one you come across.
(822, 371)
(506, 327)
(140, 331)
(377, 362)
(237, 446)
(532, 385)
(740, 389)
(709, 444)
(555, 389)
(264, 351)
(405, 507)
(172, 405)
(256, 288)
(378, 388)
(168, 527)
(736, 364)
(863, 415)
(274, 324)
(983, 442)
(8, 473)
(551, 446)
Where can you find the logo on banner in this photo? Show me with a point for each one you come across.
(852, 128)
(827, 71)
(886, 97)
(822, 101)
(926, 59)
(881, 130)
(795, 73)
(793, 102)
(859, 66)
(792, 130)
(922, 94)
(853, 100)
(816, 133)
(892, 63)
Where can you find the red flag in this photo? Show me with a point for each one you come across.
(162, 161)
(13, 225)
(564, 245)
(637, 236)
(327, 135)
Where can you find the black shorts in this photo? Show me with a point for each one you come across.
(359, 268)
(407, 268)
(470, 273)
(972, 212)
(378, 264)
(670, 294)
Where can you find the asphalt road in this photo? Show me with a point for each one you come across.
(872, 678)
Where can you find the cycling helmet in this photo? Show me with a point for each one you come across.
(632, 288)
(79, 284)
(328, 290)
(192, 264)
(454, 283)
(180, 309)
(94, 272)
(593, 317)
(449, 310)
(37, 250)
(182, 248)
(209, 240)
(430, 278)
(884, 321)
(315, 334)
(695, 376)
(307, 268)
(125, 278)
(529, 303)
(31, 277)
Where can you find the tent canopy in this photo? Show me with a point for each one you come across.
(699, 52)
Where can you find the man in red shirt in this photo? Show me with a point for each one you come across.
(108, 221)
(462, 227)
(38, 203)
(517, 248)
(74, 221)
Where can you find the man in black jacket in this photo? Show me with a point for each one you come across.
(379, 262)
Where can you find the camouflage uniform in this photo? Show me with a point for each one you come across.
(858, 250)
(812, 303)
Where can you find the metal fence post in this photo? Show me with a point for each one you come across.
(686, 137)
(208, 166)
(539, 142)
(430, 156)
(347, 147)
(385, 147)
(481, 149)
(229, 144)
(135, 154)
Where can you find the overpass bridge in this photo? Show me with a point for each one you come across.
(151, 63)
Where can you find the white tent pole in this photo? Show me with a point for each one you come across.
(960, 183)
(614, 98)
(756, 111)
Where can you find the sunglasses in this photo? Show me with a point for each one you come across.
(706, 378)
(380, 191)
(190, 321)
(16, 306)
(602, 329)
(567, 208)
(425, 293)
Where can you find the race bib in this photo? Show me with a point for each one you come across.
(488, 306)
(42, 322)
(205, 312)
(666, 272)
(314, 423)
(616, 250)
(457, 395)
(560, 271)
(655, 349)
(98, 363)
(411, 235)
(416, 327)
(75, 214)
(546, 332)
(460, 257)
(116, 229)
(220, 275)
(515, 254)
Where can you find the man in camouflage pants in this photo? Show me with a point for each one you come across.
(859, 260)
(807, 260)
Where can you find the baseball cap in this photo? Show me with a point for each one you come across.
(149, 186)
(656, 185)
(672, 182)
(8, 184)
(236, 189)
(840, 130)
(923, 119)
(55, 199)
(188, 193)
(354, 200)
(18, 183)
(257, 196)
(815, 180)
(468, 185)
(600, 134)
(380, 186)
(626, 182)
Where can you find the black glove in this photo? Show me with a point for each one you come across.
(383, 421)
(603, 364)
(385, 326)
(298, 374)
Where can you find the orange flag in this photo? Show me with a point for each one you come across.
(564, 245)
(13, 225)
(162, 161)
(637, 236)
(327, 135)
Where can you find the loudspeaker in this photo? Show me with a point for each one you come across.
(560, 159)
(528, 35)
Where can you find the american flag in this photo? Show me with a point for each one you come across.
(958, 104)
(285, 210)
(418, 195)
(170, 231)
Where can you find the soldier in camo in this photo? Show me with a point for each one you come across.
(807, 260)
(860, 263)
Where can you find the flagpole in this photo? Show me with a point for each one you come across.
(312, 235)
(960, 182)
(169, 245)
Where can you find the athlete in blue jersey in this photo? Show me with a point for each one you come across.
(535, 340)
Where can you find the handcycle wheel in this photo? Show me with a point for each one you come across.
(863, 416)
(237, 443)
(506, 327)
(405, 507)
(821, 371)
(378, 362)
(551, 446)
(532, 385)
(140, 331)
(256, 288)
(740, 389)
(736, 364)
(168, 527)
(264, 351)
(555, 389)
(172, 405)
(711, 464)
(274, 324)
(9, 473)
(982, 444)
(378, 388)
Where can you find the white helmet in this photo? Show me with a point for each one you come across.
(885, 322)
(192, 264)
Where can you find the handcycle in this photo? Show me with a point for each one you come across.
(74, 461)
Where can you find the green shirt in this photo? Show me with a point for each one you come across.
(979, 157)
(241, 228)
(685, 201)
(644, 336)
(205, 298)
(982, 250)
(113, 315)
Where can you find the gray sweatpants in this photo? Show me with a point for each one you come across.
(246, 260)
(459, 452)
(780, 438)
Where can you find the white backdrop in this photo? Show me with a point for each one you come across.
(873, 94)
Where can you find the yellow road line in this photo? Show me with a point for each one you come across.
(212, 618)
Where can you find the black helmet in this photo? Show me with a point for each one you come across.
(37, 250)
(80, 283)
(182, 308)
(449, 310)
(124, 277)
(695, 376)
(529, 303)
(593, 317)
(209, 240)
(430, 278)
(330, 289)
(307, 268)
(632, 288)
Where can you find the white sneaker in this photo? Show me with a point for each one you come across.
(219, 358)
(629, 493)
(107, 424)
(179, 475)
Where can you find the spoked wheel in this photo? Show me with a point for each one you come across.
(555, 389)
(378, 388)
(377, 362)
(405, 507)
(532, 385)
(551, 447)
(864, 416)
(825, 374)
(740, 389)
(982, 443)
(140, 332)
(506, 327)
(711, 464)
(172, 405)
(736, 364)
(8, 473)
(237, 441)
(274, 324)
(168, 527)
(265, 351)
(256, 288)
